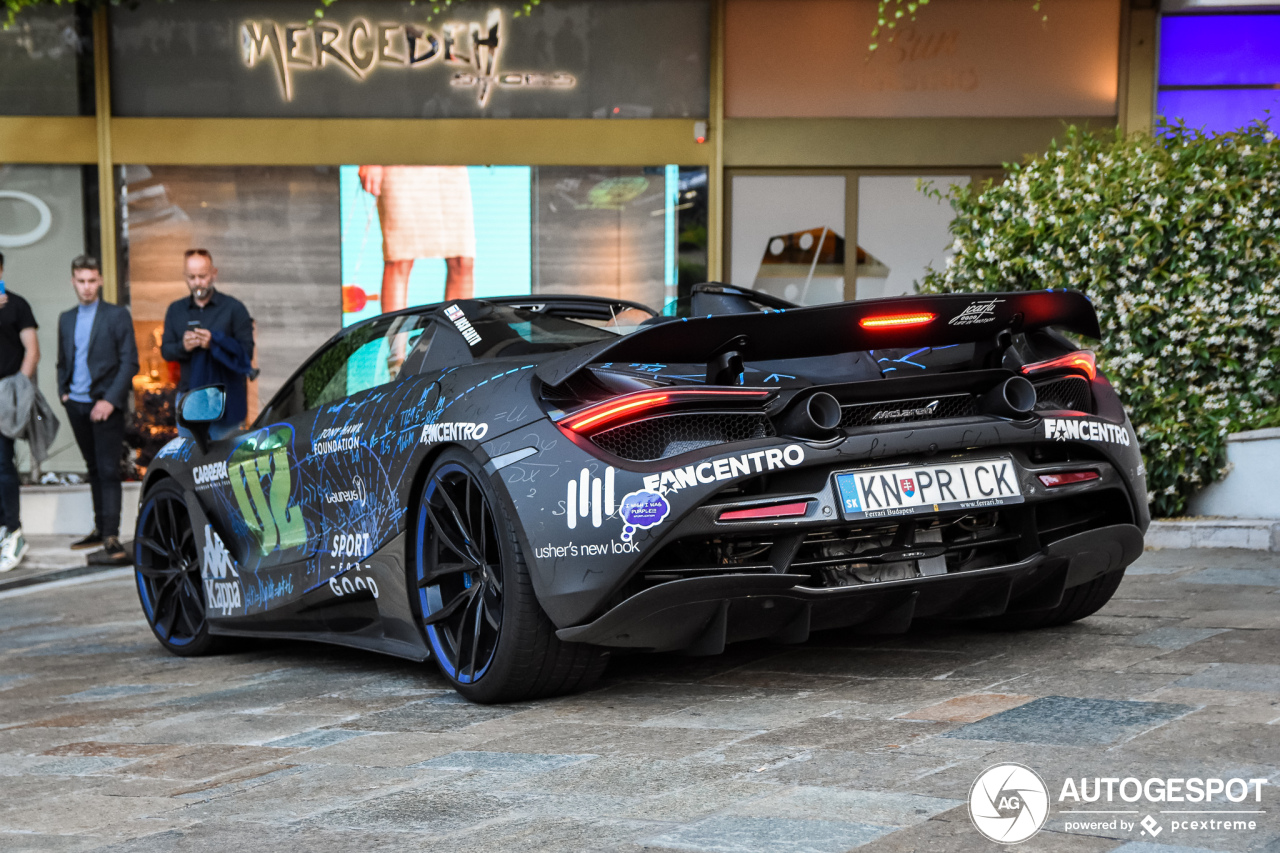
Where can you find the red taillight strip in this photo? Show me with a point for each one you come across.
(1068, 477)
(1083, 361)
(896, 321)
(594, 418)
(755, 513)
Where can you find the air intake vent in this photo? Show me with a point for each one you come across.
(671, 435)
(906, 411)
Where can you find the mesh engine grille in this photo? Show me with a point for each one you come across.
(905, 411)
(671, 435)
(1069, 392)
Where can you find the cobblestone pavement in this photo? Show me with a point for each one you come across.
(109, 743)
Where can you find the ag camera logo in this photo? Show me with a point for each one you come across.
(1008, 803)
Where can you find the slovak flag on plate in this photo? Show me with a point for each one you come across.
(908, 486)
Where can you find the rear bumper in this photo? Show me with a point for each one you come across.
(701, 615)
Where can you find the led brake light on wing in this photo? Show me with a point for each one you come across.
(629, 407)
(896, 321)
(1083, 361)
(1067, 478)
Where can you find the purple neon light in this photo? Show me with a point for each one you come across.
(1220, 110)
(1219, 50)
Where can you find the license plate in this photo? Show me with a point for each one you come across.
(916, 489)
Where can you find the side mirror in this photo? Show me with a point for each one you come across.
(201, 408)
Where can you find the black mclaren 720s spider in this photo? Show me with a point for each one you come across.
(516, 486)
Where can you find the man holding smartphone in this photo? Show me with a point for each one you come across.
(210, 334)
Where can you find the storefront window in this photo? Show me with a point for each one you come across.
(311, 249)
(42, 227)
(414, 235)
(903, 229)
(367, 59)
(817, 238)
(1219, 72)
(46, 64)
(273, 235)
(789, 236)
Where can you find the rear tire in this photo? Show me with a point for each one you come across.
(1077, 603)
(167, 573)
(483, 623)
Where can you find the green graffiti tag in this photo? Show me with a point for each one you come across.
(261, 481)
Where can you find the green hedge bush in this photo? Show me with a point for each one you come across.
(1176, 239)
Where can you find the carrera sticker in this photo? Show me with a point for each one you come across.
(208, 475)
(462, 324)
(1079, 429)
(337, 439)
(976, 313)
(725, 469)
(453, 431)
(218, 571)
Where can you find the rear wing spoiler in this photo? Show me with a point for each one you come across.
(826, 330)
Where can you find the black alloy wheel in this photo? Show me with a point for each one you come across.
(167, 569)
(460, 574)
(482, 620)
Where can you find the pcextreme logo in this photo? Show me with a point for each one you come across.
(1008, 803)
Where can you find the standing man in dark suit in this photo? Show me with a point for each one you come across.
(97, 359)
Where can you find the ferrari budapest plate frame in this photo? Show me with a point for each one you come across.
(514, 486)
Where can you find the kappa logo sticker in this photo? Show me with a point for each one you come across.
(218, 571)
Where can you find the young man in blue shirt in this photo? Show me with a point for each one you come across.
(97, 359)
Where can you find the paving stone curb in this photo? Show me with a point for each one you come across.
(1249, 534)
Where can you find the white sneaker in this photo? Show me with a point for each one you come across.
(12, 549)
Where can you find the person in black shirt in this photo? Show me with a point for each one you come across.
(19, 353)
(211, 335)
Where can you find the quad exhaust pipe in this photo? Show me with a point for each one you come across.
(1013, 398)
(817, 417)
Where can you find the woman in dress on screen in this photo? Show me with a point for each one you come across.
(425, 213)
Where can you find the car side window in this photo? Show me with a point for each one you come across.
(368, 356)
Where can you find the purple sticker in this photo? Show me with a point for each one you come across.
(642, 509)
